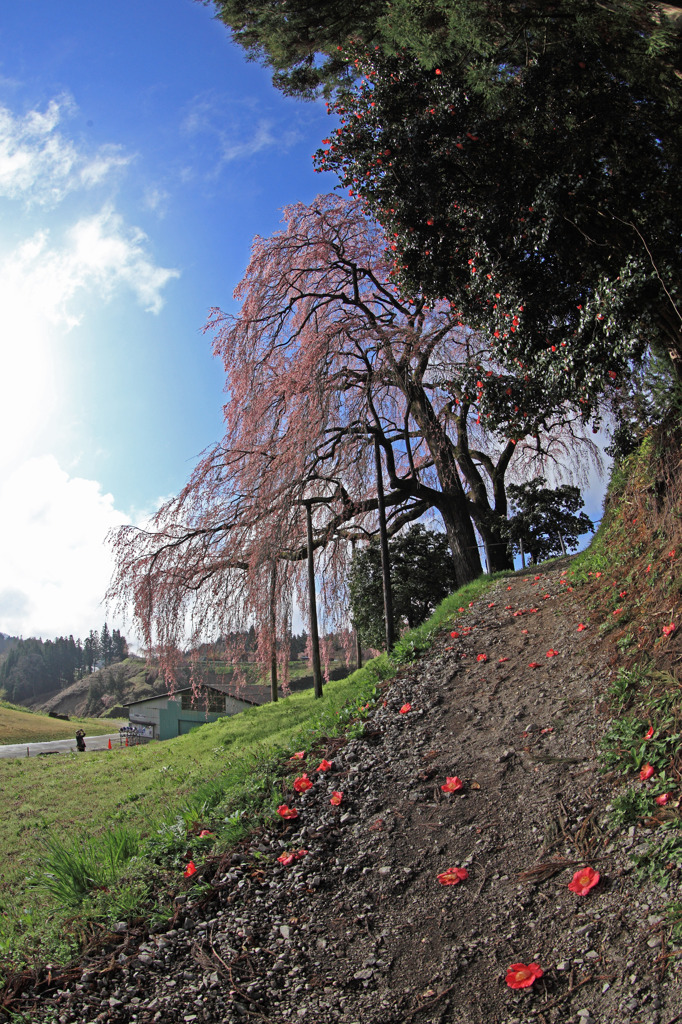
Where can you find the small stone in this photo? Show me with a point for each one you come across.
(285, 931)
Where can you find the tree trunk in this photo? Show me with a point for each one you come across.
(273, 632)
(462, 541)
(496, 548)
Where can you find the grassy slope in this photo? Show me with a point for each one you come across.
(143, 787)
(17, 725)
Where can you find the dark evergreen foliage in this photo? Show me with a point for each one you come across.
(544, 517)
(422, 574)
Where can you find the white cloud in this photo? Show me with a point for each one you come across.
(40, 165)
(54, 564)
(156, 200)
(44, 286)
(235, 129)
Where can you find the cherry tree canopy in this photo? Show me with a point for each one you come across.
(324, 357)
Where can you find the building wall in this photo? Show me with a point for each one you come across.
(173, 721)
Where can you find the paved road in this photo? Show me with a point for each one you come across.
(58, 746)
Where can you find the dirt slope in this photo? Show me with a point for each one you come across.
(359, 929)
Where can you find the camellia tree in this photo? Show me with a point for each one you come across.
(548, 220)
(324, 359)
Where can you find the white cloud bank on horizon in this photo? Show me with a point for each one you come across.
(54, 564)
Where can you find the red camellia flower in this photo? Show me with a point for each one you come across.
(663, 799)
(323, 766)
(336, 798)
(551, 653)
(667, 630)
(454, 633)
(204, 833)
(452, 784)
(191, 869)
(298, 756)
(523, 975)
(302, 784)
(584, 880)
(534, 664)
(503, 659)
(405, 708)
(460, 609)
(288, 858)
(287, 812)
(453, 876)
(581, 627)
(647, 771)
(481, 657)
(649, 733)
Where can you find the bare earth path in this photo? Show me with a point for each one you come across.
(359, 929)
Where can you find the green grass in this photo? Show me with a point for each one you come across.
(226, 776)
(18, 725)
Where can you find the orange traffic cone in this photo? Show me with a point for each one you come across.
(109, 744)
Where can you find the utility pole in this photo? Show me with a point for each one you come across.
(314, 633)
(385, 561)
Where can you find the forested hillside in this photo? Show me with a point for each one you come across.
(32, 668)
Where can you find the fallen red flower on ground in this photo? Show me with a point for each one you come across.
(191, 869)
(287, 812)
(647, 771)
(204, 833)
(453, 876)
(452, 784)
(302, 784)
(336, 798)
(551, 653)
(649, 733)
(667, 630)
(481, 657)
(288, 858)
(523, 975)
(584, 880)
(323, 766)
(405, 708)
(663, 799)
(534, 664)
(454, 633)
(298, 756)
(503, 659)
(581, 627)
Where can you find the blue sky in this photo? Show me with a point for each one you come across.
(139, 155)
